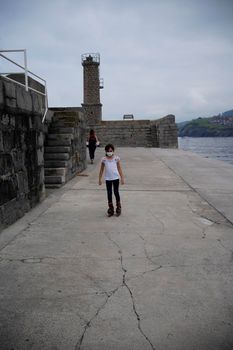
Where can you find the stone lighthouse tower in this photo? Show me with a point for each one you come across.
(91, 88)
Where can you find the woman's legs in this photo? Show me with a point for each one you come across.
(92, 152)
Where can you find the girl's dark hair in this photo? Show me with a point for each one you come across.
(108, 146)
(92, 132)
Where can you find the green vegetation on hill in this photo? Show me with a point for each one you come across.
(206, 127)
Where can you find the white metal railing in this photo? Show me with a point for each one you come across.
(26, 73)
(101, 85)
(90, 57)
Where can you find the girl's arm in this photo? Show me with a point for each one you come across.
(120, 172)
(101, 173)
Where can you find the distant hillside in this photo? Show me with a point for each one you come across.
(221, 125)
(228, 113)
(182, 124)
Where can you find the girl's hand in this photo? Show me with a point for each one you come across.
(100, 182)
(122, 181)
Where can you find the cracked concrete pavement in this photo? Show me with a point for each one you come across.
(160, 276)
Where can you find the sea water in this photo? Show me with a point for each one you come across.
(211, 147)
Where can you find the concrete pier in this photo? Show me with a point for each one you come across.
(160, 276)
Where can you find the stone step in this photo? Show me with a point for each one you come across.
(68, 118)
(60, 130)
(56, 163)
(55, 171)
(53, 143)
(48, 186)
(57, 149)
(60, 137)
(59, 156)
(63, 124)
(59, 179)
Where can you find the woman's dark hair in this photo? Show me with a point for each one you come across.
(92, 132)
(108, 146)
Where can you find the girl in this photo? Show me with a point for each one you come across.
(92, 142)
(111, 164)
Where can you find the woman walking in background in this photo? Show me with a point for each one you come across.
(92, 142)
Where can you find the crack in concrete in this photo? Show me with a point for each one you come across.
(53, 258)
(160, 221)
(29, 259)
(88, 323)
(124, 270)
(146, 252)
(61, 296)
(134, 305)
(144, 273)
(108, 296)
(98, 285)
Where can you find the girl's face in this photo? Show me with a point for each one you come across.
(109, 152)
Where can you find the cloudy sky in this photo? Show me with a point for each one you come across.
(157, 56)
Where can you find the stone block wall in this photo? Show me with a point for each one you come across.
(166, 132)
(92, 112)
(138, 133)
(124, 133)
(21, 151)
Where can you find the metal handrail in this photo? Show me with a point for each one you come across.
(26, 72)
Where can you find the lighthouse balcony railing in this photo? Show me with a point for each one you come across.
(90, 57)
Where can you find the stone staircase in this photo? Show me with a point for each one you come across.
(148, 137)
(154, 136)
(59, 152)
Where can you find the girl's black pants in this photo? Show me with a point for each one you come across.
(115, 185)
